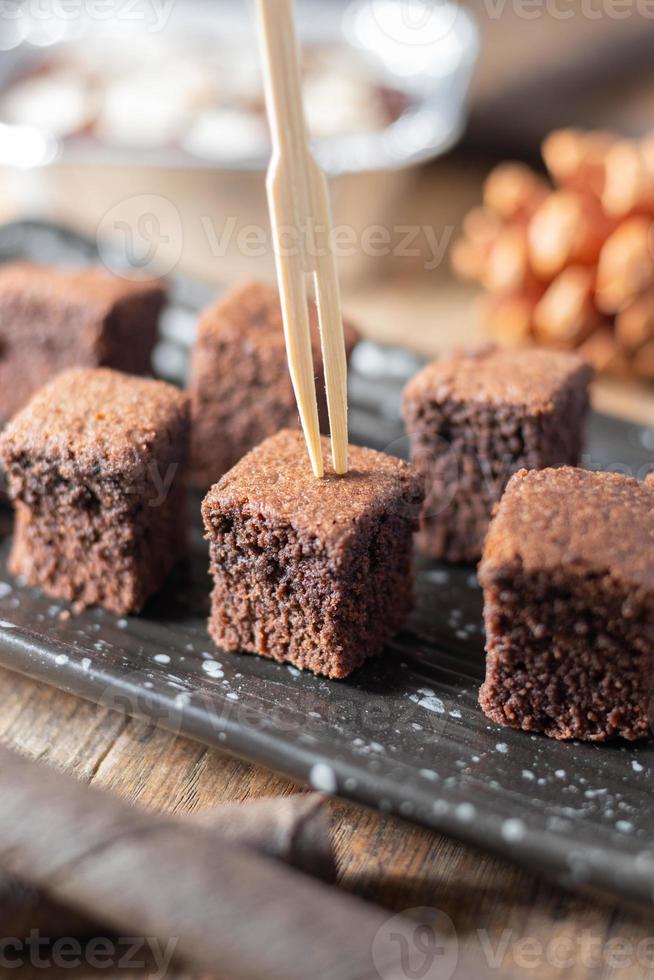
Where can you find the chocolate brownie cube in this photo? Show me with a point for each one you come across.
(568, 579)
(476, 417)
(52, 319)
(313, 572)
(96, 471)
(240, 386)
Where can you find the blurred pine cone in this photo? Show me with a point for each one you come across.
(570, 263)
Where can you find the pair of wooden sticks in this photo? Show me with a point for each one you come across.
(298, 198)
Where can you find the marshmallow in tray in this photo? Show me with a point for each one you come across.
(152, 107)
(147, 94)
(59, 102)
(226, 135)
(340, 104)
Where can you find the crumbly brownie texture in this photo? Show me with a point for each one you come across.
(96, 470)
(568, 578)
(241, 390)
(475, 418)
(52, 319)
(314, 572)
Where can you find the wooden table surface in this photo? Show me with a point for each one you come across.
(499, 910)
(521, 923)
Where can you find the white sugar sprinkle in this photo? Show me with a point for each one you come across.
(61, 659)
(513, 830)
(161, 658)
(426, 698)
(322, 777)
(212, 668)
(502, 747)
(636, 766)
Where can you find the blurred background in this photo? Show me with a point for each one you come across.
(141, 124)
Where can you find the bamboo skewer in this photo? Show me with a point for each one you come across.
(298, 199)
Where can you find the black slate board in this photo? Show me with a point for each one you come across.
(404, 734)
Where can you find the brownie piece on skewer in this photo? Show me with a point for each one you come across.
(241, 390)
(52, 319)
(313, 572)
(568, 579)
(96, 471)
(476, 417)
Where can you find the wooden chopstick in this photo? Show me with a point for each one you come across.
(213, 902)
(298, 198)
